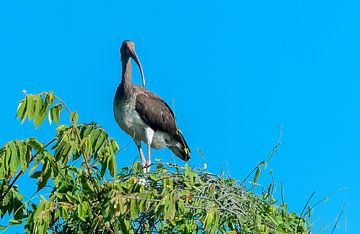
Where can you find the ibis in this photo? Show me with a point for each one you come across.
(143, 115)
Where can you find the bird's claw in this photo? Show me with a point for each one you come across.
(146, 168)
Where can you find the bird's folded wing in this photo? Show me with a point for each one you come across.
(156, 113)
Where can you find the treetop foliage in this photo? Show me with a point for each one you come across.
(90, 195)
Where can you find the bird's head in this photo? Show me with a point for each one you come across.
(128, 50)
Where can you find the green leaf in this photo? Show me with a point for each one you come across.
(103, 164)
(39, 210)
(22, 150)
(59, 148)
(82, 210)
(15, 221)
(67, 153)
(187, 169)
(88, 185)
(86, 130)
(30, 107)
(54, 113)
(50, 116)
(18, 207)
(154, 177)
(7, 161)
(21, 110)
(3, 172)
(100, 142)
(38, 107)
(181, 205)
(49, 97)
(63, 212)
(133, 208)
(35, 143)
(14, 160)
(112, 165)
(86, 146)
(36, 174)
(209, 220)
(93, 136)
(137, 167)
(74, 118)
(75, 150)
(125, 226)
(273, 220)
(114, 145)
(43, 180)
(257, 174)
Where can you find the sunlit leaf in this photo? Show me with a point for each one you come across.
(36, 174)
(112, 165)
(38, 107)
(133, 209)
(115, 145)
(43, 180)
(14, 159)
(257, 174)
(35, 143)
(82, 211)
(74, 118)
(22, 154)
(54, 113)
(100, 141)
(30, 107)
(21, 110)
(14, 221)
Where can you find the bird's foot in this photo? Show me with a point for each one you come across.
(148, 164)
(146, 168)
(143, 166)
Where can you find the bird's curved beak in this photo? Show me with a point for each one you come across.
(136, 59)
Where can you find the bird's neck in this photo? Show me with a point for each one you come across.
(126, 70)
(125, 86)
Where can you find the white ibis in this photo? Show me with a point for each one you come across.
(143, 115)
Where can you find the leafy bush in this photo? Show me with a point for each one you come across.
(94, 197)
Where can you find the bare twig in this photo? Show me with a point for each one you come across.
(267, 157)
(337, 220)
(64, 104)
(302, 212)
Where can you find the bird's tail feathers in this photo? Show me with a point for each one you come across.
(180, 148)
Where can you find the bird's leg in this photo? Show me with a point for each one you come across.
(142, 157)
(143, 160)
(149, 134)
(148, 162)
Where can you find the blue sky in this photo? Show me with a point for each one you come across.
(236, 70)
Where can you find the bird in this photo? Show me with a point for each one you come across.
(144, 115)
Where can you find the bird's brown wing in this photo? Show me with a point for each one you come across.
(158, 115)
(155, 112)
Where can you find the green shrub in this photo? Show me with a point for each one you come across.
(95, 196)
